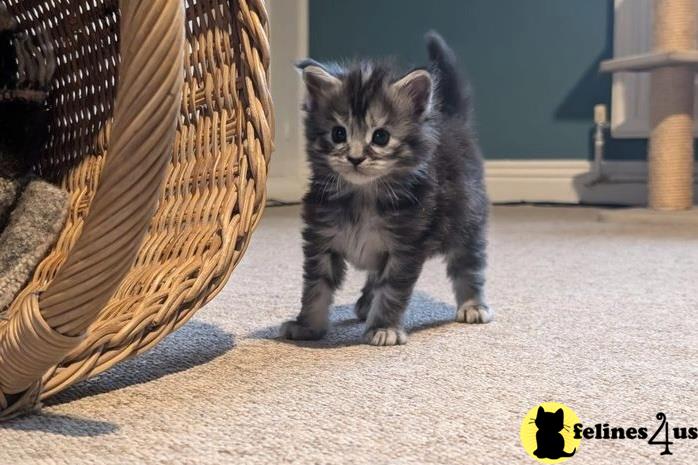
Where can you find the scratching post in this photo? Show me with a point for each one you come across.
(670, 181)
(672, 63)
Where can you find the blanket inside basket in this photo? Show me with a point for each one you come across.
(31, 229)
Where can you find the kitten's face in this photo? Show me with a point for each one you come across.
(363, 124)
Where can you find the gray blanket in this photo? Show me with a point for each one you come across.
(31, 229)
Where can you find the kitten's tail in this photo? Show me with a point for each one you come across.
(451, 89)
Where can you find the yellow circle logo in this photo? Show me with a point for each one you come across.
(547, 432)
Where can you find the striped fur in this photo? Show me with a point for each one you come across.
(418, 195)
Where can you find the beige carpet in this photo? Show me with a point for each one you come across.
(602, 317)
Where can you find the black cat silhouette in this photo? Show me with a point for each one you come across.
(551, 444)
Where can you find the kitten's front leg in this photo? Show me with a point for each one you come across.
(466, 268)
(391, 294)
(323, 273)
(363, 305)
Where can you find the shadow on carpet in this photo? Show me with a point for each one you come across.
(196, 343)
(61, 425)
(423, 313)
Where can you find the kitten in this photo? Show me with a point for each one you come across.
(396, 177)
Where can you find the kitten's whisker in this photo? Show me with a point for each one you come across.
(338, 184)
(412, 197)
(325, 186)
(387, 191)
(382, 186)
(393, 195)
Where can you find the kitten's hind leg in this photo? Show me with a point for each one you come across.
(391, 294)
(466, 268)
(363, 305)
(323, 273)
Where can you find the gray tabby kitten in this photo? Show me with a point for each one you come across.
(397, 177)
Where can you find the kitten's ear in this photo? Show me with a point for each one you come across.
(318, 81)
(560, 413)
(416, 88)
(540, 410)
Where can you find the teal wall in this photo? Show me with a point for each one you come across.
(533, 63)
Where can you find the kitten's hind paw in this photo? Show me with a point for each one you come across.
(385, 336)
(295, 331)
(474, 313)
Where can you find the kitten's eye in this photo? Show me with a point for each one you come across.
(339, 135)
(381, 137)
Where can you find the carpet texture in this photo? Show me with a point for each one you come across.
(601, 317)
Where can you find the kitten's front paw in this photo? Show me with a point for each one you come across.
(296, 331)
(385, 336)
(474, 313)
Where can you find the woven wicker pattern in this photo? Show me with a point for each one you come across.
(138, 256)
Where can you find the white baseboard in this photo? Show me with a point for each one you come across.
(559, 181)
(567, 181)
(534, 180)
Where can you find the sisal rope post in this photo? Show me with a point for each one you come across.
(670, 176)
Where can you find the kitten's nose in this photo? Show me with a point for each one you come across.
(356, 161)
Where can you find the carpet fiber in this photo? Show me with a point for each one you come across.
(601, 317)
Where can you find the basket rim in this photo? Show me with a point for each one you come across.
(134, 169)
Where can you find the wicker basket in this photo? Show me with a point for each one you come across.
(161, 131)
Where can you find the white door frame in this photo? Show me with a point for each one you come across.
(289, 43)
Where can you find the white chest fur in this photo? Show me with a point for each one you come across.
(363, 243)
